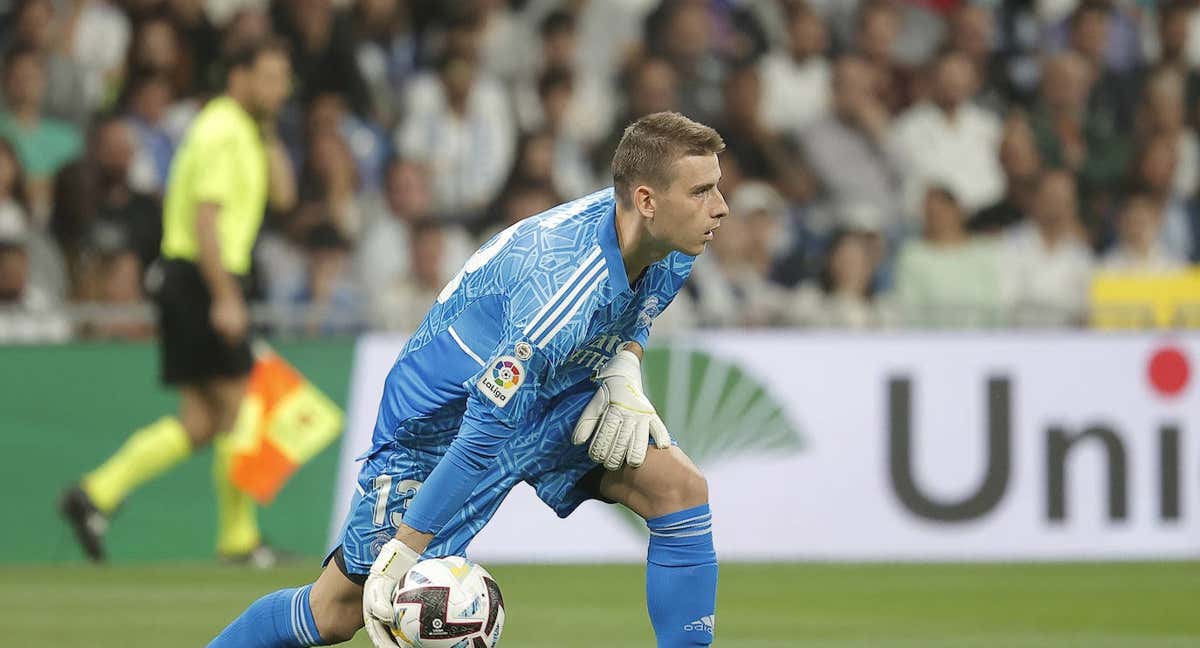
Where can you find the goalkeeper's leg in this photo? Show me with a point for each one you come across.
(323, 613)
(670, 493)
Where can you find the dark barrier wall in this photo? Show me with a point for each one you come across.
(64, 408)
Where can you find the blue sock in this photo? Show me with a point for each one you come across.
(681, 578)
(282, 619)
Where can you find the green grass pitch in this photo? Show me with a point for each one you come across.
(1139, 605)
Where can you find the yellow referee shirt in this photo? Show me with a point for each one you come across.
(222, 160)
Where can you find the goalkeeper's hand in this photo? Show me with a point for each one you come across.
(620, 419)
(394, 561)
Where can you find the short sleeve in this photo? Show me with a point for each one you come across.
(216, 178)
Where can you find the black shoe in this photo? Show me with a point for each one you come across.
(86, 520)
(264, 556)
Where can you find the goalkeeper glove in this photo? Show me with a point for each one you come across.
(389, 568)
(619, 419)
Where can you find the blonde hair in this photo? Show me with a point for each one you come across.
(651, 146)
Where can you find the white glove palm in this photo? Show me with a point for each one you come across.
(619, 419)
(393, 562)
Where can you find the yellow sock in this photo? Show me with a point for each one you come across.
(145, 455)
(237, 515)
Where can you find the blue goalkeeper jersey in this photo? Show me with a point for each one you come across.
(532, 315)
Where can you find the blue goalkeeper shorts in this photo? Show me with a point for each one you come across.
(541, 455)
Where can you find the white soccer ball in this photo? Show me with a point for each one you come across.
(447, 603)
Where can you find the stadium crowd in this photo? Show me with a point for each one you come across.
(928, 163)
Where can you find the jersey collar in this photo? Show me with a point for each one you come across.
(617, 277)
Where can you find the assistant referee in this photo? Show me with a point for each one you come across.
(223, 175)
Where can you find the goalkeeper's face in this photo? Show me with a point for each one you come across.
(688, 213)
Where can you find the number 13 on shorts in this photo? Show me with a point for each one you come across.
(405, 490)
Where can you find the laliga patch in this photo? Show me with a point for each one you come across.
(502, 379)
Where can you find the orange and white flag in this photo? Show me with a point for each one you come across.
(284, 422)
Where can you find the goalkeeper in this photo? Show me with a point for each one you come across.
(498, 385)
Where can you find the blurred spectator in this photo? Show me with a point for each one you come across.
(1021, 164)
(535, 160)
(112, 275)
(1072, 136)
(146, 112)
(1178, 48)
(1139, 248)
(947, 278)
(199, 41)
(732, 280)
(158, 51)
(843, 297)
(972, 34)
(27, 314)
(323, 53)
(330, 296)
(795, 82)
(851, 153)
(386, 55)
(583, 102)
(37, 25)
(1173, 24)
(572, 171)
(47, 269)
(1153, 176)
(43, 144)
(383, 253)
(507, 39)
(523, 200)
(329, 183)
(950, 141)
(97, 34)
(681, 32)
(1047, 264)
(609, 31)
(1163, 114)
(651, 86)
(1106, 39)
(877, 27)
(94, 191)
(458, 122)
(403, 304)
(759, 153)
(367, 143)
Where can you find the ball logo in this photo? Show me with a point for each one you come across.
(506, 374)
(501, 379)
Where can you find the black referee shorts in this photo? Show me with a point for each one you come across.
(190, 349)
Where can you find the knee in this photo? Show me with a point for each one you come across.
(337, 619)
(688, 490)
(199, 429)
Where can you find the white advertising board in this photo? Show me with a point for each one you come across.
(949, 446)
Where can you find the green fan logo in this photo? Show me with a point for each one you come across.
(715, 409)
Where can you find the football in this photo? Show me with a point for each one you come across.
(447, 603)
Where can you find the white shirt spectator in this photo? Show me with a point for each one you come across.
(34, 320)
(469, 155)
(101, 36)
(1187, 167)
(382, 258)
(1047, 286)
(794, 94)
(961, 154)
